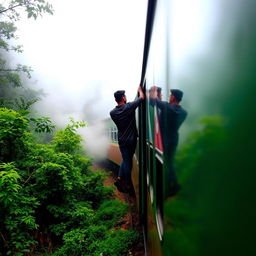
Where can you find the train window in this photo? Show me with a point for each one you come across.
(113, 134)
(147, 162)
(159, 194)
(116, 134)
(150, 173)
(151, 176)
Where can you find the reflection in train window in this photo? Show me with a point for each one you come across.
(150, 174)
(159, 194)
(147, 162)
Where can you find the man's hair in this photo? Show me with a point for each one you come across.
(159, 89)
(118, 95)
(178, 94)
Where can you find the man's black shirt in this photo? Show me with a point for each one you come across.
(171, 118)
(124, 118)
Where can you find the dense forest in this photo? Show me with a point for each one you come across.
(51, 201)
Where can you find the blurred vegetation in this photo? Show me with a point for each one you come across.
(214, 213)
(186, 213)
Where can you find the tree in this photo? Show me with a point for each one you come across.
(10, 77)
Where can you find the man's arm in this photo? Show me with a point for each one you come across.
(134, 104)
(153, 92)
(152, 95)
(141, 93)
(161, 104)
(153, 99)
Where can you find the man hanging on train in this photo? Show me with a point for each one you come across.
(123, 116)
(171, 118)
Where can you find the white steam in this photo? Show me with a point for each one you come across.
(81, 55)
(95, 140)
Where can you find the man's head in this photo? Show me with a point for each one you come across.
(159, 93)
(176, 96)
(120, 96)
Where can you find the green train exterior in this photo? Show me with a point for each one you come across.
(206, 49)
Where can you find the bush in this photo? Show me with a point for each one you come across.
(49, 194)
(97, 240)
(81, 241)
(17, 216)
(93, 190)
(117, 243)
(67, 141)
(14, 135)
(70, 216)
(109, 212)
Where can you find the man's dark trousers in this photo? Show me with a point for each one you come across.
(127, 150)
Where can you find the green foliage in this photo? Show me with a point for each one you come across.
(93, 189)
(81, 241)
(67, 141)
(96, 240)
(194, 169)
(9, 186)
(42, 124)
(11, 76)
(17, 98)
(13, 135)
(7, 30)
(51, 190)
(109, 212)
(116, 243)
(199, 143)
(34, 8)
(44, 189)
(17, 212)
(59, 177)
(82, 163)
(23, 104)
(70, 215)
(52, 179)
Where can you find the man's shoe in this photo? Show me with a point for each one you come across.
(120, 187)
(130, 191)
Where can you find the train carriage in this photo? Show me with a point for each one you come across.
(207, 50)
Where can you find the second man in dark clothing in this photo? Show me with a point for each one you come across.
(171, 117)
(123, 116)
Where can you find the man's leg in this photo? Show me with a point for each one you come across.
(120, 183)
(124, 181)
(128, 178)
(126, 166)
(172, 186)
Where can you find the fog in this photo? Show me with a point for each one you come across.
(81, 55)
(88, 50)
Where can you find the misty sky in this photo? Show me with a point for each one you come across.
(83, 53)
(90, 48)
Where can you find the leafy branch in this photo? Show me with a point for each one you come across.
(11, 8)
(32, 7)
(19, 68)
